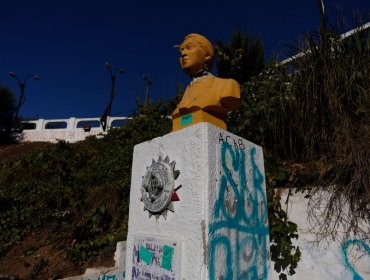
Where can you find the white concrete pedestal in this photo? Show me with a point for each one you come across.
(218, 228)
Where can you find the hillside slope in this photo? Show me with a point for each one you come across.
(11, 152)
(42, 254)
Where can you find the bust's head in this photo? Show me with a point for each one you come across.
(196, 54)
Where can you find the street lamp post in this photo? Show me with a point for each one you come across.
(22, 86)
(107, 111)
(148, 84)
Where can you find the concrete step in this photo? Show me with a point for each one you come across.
(107, 273)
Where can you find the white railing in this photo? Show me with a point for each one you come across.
(342, 37)
(70, 130)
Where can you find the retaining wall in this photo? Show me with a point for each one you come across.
(348, 260)
(70, 130)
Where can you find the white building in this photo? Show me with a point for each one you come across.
(70, 130)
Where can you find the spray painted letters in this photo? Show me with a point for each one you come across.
(109, 277)
(239, 235)
(155, 258)
(356, 247)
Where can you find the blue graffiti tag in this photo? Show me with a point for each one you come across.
(345, 246)
(239, 228)
(110, 277)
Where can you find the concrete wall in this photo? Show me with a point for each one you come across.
(329, 260)
(333, 260)
(70, 130)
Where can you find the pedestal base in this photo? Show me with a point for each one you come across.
(207, 222)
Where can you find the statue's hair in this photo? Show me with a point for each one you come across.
(205, 44)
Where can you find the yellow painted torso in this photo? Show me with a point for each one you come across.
(213, 95)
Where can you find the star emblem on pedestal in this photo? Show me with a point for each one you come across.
(158, 190)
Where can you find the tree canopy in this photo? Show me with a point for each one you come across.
(7, 106)
(241, 59)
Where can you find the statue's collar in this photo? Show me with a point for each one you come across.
(201, 77)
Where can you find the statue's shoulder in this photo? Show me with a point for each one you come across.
(227, 81)
(228, 87)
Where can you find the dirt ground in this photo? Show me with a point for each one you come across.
(35, 257)
(9, 152)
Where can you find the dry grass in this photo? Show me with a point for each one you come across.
(329, 100)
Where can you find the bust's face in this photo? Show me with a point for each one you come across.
(192, 56)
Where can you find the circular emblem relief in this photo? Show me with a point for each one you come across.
(158, 185)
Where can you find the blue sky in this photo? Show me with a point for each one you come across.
(68, 42)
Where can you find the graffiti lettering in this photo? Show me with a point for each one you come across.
(239, 227)
(237, 143)
(55, 135)
(360, 244)
(153, 258)
(110, 277)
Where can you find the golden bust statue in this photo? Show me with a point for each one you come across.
(207, 98)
